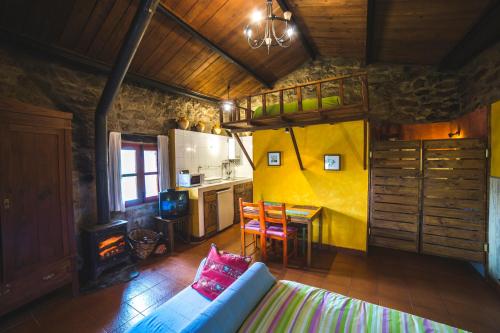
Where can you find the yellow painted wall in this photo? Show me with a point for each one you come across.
(343, 194)
(495, 139)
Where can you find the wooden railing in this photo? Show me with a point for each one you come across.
(235, 115)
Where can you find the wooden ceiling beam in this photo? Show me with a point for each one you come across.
(483, 34)
(205, 41)
(370, 32)
(301, 27)
(87, 64)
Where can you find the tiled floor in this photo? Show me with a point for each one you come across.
(436, 288)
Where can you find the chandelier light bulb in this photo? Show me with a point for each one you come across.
(248, 32)
(269, 30)
(256, 16)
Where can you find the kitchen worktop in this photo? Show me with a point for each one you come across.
(198, 195)
(218, 185)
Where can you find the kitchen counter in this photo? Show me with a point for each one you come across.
(202, 213)
(218, 185)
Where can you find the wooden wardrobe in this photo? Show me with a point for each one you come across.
(37, 242)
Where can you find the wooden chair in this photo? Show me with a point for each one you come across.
(251, 222)
(277, 228)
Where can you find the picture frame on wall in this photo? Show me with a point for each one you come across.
(332, 162)
(274, 158)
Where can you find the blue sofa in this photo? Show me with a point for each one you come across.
(188, 311)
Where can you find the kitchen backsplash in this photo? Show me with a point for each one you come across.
(205, 153)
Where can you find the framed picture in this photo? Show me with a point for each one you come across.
(274, 158)
(332, 162)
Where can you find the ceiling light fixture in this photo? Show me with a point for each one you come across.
(227, 105)
(262, 30)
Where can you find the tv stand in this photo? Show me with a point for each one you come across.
(170, 225)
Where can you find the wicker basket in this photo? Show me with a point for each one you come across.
(143, 242)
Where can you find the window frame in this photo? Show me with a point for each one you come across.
(139, 148)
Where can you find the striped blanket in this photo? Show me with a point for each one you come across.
(295, 307)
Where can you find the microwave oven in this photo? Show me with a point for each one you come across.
(190, 180)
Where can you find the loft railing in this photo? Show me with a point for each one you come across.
(241, 113)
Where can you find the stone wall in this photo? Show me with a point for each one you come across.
(480, 80)
(137, 110)
(399, 93)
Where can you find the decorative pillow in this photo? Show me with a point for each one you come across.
(220, 271)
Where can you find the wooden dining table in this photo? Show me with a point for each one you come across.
(305, 214)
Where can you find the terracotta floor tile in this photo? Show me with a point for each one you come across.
(111, 316)
(370, 297)
(440, 289)
(396, 303)
(129, 324)
(363, 283)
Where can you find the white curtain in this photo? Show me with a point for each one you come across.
(116, 203)
(163, 168)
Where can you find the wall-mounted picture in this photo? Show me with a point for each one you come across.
(332, 162)
(274, 158)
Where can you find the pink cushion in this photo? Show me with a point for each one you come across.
(220, 271)
(277, 230)
(253, 225)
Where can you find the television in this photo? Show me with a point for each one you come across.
(173, 204)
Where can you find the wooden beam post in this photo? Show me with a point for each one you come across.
(299, 98)
(248, 112)
(319, 96)
(296, 147)
(282, 108)
(244, 150)
(365, 144)
(341, 91)
(264, 111)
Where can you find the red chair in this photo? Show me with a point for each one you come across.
(252, 223)
(277, 228)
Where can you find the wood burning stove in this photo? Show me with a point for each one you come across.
(105, 246)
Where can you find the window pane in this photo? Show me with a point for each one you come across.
(150, 161)
(151, 183)
(129, 188)
(128, 161)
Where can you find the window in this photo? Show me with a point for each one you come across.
(139, 173)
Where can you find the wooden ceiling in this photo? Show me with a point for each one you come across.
(402, 31)
(422, 31)
(336, 27)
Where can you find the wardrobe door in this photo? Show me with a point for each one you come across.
(33, 185)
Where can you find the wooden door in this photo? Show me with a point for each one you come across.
(210, 212)
(32, 186)
(454, 198)
(394, 195)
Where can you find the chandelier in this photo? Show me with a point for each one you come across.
(263, 30)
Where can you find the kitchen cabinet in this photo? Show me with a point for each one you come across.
(244, 191)
(210, 212)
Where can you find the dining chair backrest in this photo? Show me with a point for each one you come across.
(251, 211)
(275, 213)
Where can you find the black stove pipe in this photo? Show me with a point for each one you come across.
(141, 20)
